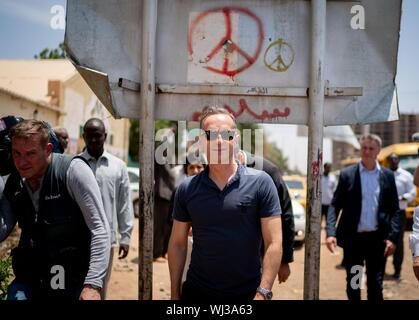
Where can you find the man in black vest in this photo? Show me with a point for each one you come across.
(64, 246)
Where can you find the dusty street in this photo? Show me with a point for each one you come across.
(332, 280)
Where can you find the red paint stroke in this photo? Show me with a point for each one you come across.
(316, 165)
(226, 40)
(265, 115)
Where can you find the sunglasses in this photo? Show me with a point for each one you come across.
(227, 135)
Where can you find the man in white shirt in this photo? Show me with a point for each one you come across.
(328, 188)
(406, 191)
(112, 177)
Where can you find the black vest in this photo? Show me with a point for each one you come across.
(55, 235)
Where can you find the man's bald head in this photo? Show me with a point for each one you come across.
(62, 135)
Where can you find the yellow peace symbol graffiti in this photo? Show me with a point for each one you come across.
(279, 56)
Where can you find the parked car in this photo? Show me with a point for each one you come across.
(299, 222)
(134, 183)
(297, 187)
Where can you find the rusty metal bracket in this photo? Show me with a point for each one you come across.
(254, 91)
(129, 84)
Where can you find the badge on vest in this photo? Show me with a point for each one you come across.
(53, 197)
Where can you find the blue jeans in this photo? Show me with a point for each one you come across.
(18, 290)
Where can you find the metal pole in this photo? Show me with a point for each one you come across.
(148, 43)
(315, 153)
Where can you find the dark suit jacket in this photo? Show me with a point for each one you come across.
(348, 197)
(287, 216)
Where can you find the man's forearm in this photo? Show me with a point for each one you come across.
(177, 258)
(271, 264)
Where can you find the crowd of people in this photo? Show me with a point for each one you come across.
(69, 209)
(227, 229)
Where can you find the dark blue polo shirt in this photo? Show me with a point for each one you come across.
(226, 228)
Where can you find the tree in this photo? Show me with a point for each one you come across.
(270, 150)
(57, 53)
(134, 136)
(134, 140)
(274, 154)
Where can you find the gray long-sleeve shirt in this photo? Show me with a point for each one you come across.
(112, 177)
(83, 188)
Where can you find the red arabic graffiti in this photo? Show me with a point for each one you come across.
(265, 115)
(226, 41)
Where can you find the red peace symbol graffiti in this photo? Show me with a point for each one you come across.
(226, 41)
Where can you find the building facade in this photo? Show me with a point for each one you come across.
(52, 90)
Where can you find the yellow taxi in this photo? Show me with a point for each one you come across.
(297, 187)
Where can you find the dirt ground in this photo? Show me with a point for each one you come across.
(124, 280)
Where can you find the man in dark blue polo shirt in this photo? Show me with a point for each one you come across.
(231, 208)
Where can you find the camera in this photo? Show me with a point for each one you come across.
(6, 163)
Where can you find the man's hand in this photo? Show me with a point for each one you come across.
(390, 248)
(258, 296)
(175, 296)
(90, 293)
(331, 244)
(123, 251)
(416, 267)
(284, 272)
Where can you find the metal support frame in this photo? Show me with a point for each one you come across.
(315, 151)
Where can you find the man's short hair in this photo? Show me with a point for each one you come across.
(372, 137)
(29, 128)
(95, 121)
(215, 110)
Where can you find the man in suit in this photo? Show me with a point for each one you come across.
(369, 225)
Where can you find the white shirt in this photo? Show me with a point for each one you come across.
(112, 177)
(405, 187)
(328, 188)
(370, 187)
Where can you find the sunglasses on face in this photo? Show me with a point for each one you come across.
(227, 135)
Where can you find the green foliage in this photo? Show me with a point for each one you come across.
(5, 276)
(270, 151)
(273, 154)
(58, 53)
(134, 140)
(134, 135)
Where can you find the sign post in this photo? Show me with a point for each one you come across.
(146, 156)
(315, 149)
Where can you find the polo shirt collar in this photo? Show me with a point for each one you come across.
(239, 172)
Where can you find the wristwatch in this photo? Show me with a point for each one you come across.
(267, 294)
